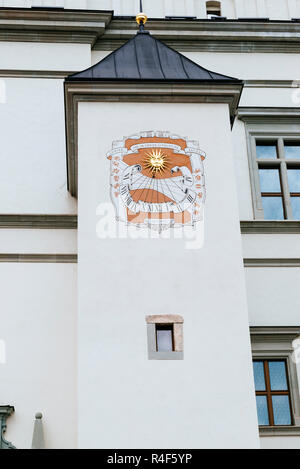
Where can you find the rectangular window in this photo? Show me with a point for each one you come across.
(278, 163)
(273, 398)
(164, 338)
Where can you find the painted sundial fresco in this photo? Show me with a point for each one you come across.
(157, 180)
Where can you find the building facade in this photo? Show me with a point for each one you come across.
(150, 224)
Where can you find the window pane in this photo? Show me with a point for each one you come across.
(266, 150)
(292, 150)
(262, 410)
(259, 376)
(273, 208)
(281, 410)
(164, 340)
(295, 201)
(294, 180)
(278, 379)
(269, 180)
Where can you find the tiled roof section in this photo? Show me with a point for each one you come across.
(146, 58)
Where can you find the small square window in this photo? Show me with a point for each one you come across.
(165, 337)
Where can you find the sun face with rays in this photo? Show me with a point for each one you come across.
(156, 161)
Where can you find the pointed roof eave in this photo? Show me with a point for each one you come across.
(146, 58)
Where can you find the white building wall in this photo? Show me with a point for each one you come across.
(123, 280)
(33, 241)
(32, 117)
(44, 56)
(273, 296)
(38, 326)
(33, 156)
(277, 245)
(291, 442)
(250, 66)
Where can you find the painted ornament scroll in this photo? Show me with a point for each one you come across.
(157, 180)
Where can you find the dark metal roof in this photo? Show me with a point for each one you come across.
(146, 58)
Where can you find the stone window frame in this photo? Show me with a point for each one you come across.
(280, 130)
(271, 343)
(164, 319)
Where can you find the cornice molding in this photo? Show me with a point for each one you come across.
(211, 36)
(272, 339)
(279, 431)
(207, 45)
(272, 262)
(29, 25)
(282, 331)
(270, 226)
(127, 91)
(40, 258)
(257, 115)
(202, 28)
(104, 32)
(269, 83)
(55, 74)
(38, 221)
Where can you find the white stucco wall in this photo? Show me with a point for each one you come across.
(38, 325)
(250, 66)
(41, 241)
(271, 245)
(120, 281)
(44, 56)
(33, 156)
(273, 296)
(290, 442)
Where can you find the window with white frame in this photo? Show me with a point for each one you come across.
(278, 163)
(273, 398)
(275, 373)
(274, 163)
